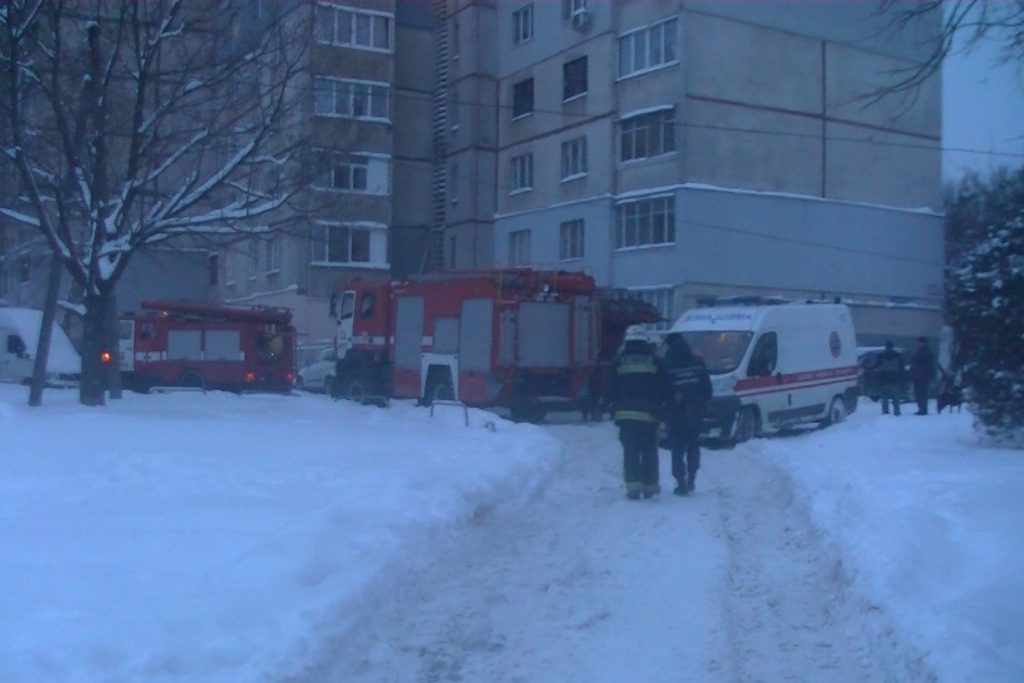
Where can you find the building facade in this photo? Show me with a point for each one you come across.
(686, 150)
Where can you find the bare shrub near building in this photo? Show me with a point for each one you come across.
(133, 123)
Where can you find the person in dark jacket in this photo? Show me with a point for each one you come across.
(635, 385)
(891, 378)
(922, 372)
(687, 391)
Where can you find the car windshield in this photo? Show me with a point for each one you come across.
(722, 351)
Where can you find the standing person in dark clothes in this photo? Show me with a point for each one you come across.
(922, 372)
(891, 379)
(635, 385)
(688, 390)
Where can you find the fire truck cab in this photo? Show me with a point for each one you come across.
(520, 338)
(212, 347)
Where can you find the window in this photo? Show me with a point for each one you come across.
(765, 356)
(570, 240)
(645, 221)
(452, 246)
(647, 48)
(348, 174)
(455, 39)
(648, 135)
(453, 112)
(368, 174)
(353, 28)
(336, 243)
(522, 173)
(571, 8)
(522, 98)
(253, 260)
(574, 158)
(213, 265)
(574, 78)
(519, 248)
(662, 300)
(25, 270)
(522, 25)
(453, 182)
(229, 273)
(272, 262)
(351, 99)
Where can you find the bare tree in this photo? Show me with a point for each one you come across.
(963, 24)
(137, 123)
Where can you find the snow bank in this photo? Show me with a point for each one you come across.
(929, 523)
(203, 537)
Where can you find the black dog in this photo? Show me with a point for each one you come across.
(951, 395)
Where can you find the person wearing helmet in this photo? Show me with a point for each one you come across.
(635, 393)
(688, 390)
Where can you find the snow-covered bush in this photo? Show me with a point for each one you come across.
(986, 298)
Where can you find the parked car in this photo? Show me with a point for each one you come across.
(318, 375)
(867, 373)
(19, 337)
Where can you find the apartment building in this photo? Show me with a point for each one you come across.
(695, 149)
(366, 109)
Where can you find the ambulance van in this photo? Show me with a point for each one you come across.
(19, 336)
(774, 366)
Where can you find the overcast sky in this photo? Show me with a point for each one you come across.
(983, 109)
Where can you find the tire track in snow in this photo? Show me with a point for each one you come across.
(731, 585)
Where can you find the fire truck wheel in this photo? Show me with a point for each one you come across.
(192, 378)
(439, 387)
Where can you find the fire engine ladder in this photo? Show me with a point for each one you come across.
(435, 247)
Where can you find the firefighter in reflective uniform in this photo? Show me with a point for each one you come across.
(635, 393)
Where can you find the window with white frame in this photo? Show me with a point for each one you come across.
(351, 99)
(360, 29)
(570, 240)
(648, 48)
(253, 259)
(645, 221)
(362, 173)
(574, 78)
(522, 173)
(648, 135)
(574, 158)
(662, 299)
(272, 250)
(229, 271)
(522, 98)
(519, 248)
(522, 24)
(340, 243)
(571, 8)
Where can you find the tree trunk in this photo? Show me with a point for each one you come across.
(94, 343)
(35, 395)
(113, 368)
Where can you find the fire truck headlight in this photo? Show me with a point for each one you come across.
(105, 357)
(250, 377)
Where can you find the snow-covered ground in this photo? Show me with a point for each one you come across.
(212, 537)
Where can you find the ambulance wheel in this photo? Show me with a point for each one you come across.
(836, 412)
(192, 378)
(527, 411)
(746, 425)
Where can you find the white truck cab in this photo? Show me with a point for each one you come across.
(19, 338)
(774, 366)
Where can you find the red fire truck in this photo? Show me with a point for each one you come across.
(525, 339)
(215, 347)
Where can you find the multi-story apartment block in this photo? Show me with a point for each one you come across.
(365, 108)
(694, 149)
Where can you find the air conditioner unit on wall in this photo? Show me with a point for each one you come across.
(581, 19)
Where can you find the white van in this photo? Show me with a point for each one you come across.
(19, 338)
(774, 366)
